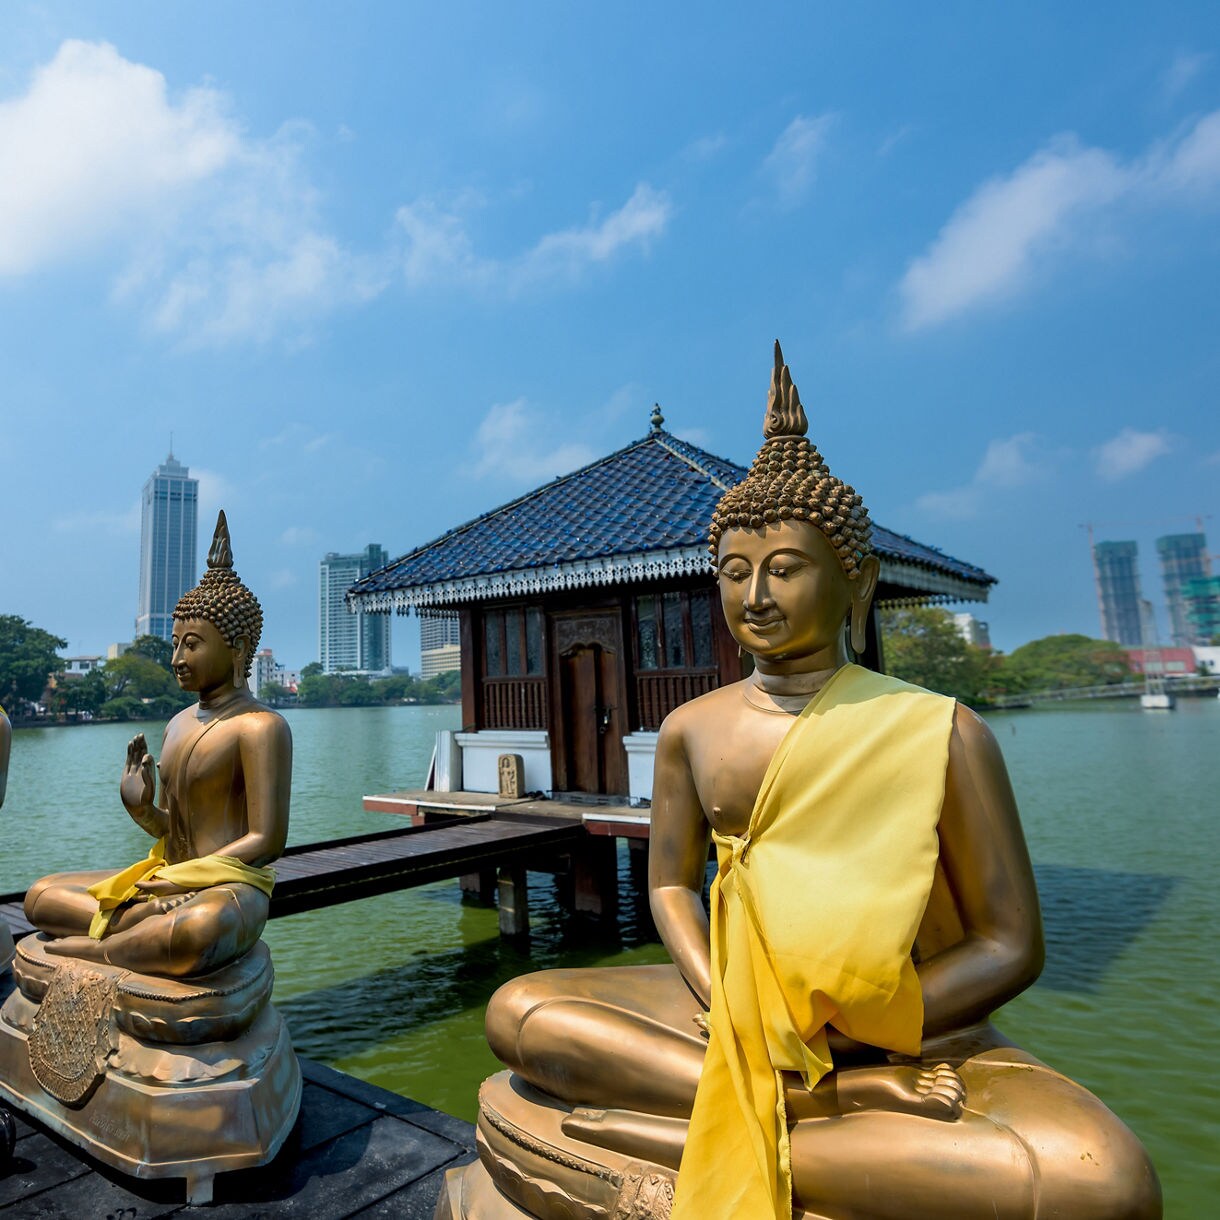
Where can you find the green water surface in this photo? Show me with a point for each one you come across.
(1120, 809)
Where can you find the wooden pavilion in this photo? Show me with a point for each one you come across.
(589, 610)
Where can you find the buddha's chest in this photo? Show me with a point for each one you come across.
(199, 759)
(728, 767)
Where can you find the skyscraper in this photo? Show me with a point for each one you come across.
(1183, 560)
(1202, 599)
(167, 546)
(1118, 590)
(348, 641)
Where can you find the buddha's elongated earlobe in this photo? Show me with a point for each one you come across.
(240, 647)
(864, 584)
(859, 628)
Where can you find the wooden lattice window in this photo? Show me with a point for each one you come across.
(674, 654)
(514, 669)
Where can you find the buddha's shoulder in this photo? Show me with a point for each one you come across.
(719, 705)
(261, 721)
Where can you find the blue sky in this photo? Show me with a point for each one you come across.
(381, 267)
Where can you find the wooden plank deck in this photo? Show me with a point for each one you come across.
(314, 875)
(356, 1151)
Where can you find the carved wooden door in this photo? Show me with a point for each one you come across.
(589, 754)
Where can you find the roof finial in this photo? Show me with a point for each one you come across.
(657, 418)
(220, 554)
(785, 415)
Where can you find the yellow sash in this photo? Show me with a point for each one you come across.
(814, 911)
(197, 874)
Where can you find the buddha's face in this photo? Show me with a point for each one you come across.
(202, 661)
(785, 594)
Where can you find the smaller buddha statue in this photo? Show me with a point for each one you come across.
(143, 997)
(821, 1044)
(6, 741)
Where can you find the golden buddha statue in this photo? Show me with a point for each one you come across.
(183, 1068)
(821, 1044)
(6, 742)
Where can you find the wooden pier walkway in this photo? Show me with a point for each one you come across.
(313, 875)
(356, 1151)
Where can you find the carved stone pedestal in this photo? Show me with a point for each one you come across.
(156, 1077)
(528, 1167)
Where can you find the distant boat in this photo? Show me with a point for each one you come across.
(1155, 697)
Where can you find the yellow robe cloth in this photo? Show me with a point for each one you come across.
(814, 912)
(197, 874)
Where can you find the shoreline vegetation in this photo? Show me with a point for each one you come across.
(36, 691)
(920, 644)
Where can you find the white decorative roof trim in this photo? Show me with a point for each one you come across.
(576, 574)
(940, 586)
(623, 569)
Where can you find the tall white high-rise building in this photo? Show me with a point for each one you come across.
(440, 643)
(167, 546)
(347, 641)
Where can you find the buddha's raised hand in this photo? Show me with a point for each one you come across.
(138, 787)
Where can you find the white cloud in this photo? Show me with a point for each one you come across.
(299, 535)
(987, 250)
(297, 437)
(101, 521)
(1013, 227)
(1182, 71)
(511, 441)
(1191, 167)
(215, 493)
(94, 146)
(1008, 463)
(216, 233)
(705, 147)
(439, 248)
(792, 162)
(1129, 452)
(895, 138)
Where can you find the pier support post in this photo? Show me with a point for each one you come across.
(595, 876)
(480, 885)
(514, 902)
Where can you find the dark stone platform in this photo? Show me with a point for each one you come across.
(356, 1150)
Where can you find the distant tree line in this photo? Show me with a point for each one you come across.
(922, 645)
(139, 685)
(317, 689)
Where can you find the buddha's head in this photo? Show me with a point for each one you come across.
(791, 542)
(220, 606)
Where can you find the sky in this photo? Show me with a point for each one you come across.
(375, 269)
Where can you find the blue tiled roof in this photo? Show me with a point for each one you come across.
(653, 495)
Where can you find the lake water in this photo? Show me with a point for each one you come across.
(1120, 809)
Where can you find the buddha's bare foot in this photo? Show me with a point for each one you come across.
(651, 1137)
(77, 946)
(929, 1092)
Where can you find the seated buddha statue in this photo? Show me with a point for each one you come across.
(6, 741)
(820, 1044)
(200, 899)
(140, 1026)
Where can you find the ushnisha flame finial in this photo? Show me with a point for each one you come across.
(785, 415)
(220, 554)
(222, 600)
(790, 481)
